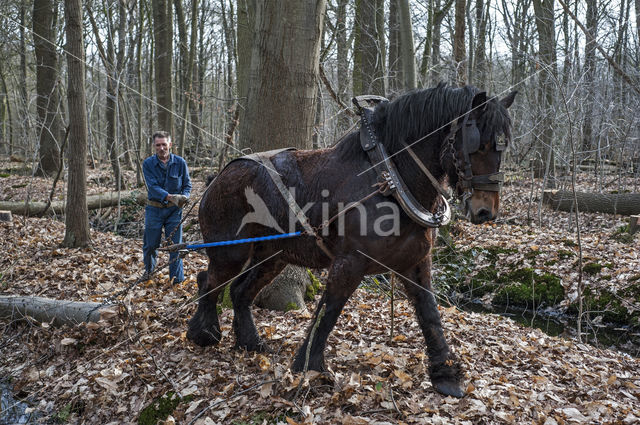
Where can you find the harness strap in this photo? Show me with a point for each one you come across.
(391, 179)
(426, 171)
(293, 205)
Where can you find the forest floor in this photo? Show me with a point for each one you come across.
(138, 366)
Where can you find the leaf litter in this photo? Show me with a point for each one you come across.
(108, 372)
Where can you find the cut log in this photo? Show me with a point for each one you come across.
(634, 224)
(6, 216)
(61, 312)
(101, 200)
(618, 203)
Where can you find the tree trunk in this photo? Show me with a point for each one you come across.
(23, 77)
(244, 48)
(284, 69)
(589, 74)
(459, 52)
(93, 202)
(619, 203)
(407, 48)
(394, 83)
(77, 217)
(61, 312)
(163, 38)
(368, 71)
(342, 47)
(48, 103)
(480, 63)
(544, 12)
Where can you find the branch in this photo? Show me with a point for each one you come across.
(333, 94)
(614, 64)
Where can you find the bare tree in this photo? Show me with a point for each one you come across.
(459, 50)
(281, 97)
(368, 49)
(545, 23)
(163, 54)
(45, 14)
(76, 213)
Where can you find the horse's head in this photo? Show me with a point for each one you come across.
(481, 135)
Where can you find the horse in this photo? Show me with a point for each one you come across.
(457, 134)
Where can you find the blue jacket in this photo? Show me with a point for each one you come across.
(173, 179)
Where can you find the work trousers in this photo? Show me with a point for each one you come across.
(155, 219)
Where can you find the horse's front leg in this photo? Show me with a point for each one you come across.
(444, 370)
(344, 277)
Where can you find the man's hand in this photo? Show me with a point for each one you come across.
(178, 200)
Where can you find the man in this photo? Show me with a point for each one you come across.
(168, 189)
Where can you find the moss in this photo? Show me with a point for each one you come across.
(551, 263)
(64, 414)
(4, 175)
(291, 306)
(226, 298)
(592, 268)
(532, 254)
(563, 254)
(524, 287)
(481, 283)
(492, 252)
(161, 408)
(312, 289)
(605, 304)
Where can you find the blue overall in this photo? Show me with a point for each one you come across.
(162, 179)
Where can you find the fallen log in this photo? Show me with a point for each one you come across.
(58, 312)
(102, 200)
(610, 203)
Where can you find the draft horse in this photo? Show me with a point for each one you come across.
(457, 133)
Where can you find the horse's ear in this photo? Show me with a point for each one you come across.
(479, 101)
(508, 100)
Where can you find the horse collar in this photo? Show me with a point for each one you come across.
(388, 173)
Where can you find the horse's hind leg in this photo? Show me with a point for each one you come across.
(243, 291)
(444, 370)
(344, 277)
(204, 327)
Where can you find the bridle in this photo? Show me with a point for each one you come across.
(470, 145)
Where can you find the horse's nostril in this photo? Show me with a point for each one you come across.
(484, 214)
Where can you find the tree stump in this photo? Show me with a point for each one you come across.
(286, 292)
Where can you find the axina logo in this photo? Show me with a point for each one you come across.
(260, 213)
(381, 225)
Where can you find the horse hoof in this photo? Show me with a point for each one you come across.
(258, 347)
(449, 388)
(204, 338)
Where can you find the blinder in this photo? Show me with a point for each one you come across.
(471, 141)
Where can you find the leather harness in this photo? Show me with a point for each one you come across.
(387, 171)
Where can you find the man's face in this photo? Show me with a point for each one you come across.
(163, 147)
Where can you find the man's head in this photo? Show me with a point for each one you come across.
(162, 144)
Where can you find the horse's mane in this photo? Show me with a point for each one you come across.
(423, 112)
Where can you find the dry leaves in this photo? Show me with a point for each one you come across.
(111, 371)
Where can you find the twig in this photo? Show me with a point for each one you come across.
(333, 94)
(211, 406)
(55, 180)
(308, 350)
